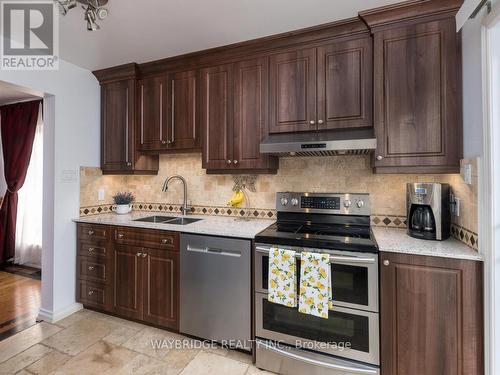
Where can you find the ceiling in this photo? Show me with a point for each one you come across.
(11, 94)
(146, 30)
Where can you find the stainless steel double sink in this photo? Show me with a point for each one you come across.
(168, 220)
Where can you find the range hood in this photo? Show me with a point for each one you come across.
(328, 143)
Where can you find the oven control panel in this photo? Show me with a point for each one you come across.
(327, 203)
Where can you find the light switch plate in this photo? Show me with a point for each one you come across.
(466, 172)
(101, 193)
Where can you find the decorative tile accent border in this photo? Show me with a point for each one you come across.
(388, 221)
(256, 213)
(466, 236)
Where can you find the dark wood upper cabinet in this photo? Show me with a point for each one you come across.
(160, 270)
(234, 117)
(167, 113)
(119, 153)
(328, 87)
(250, 127)
(431, 315)
(217, 116)
(293, 91)
(183, 130)
(151, 123)
(417, 98)
(127, 286)
(345, 84)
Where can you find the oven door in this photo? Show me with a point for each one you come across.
(354, 276)
(347, 333)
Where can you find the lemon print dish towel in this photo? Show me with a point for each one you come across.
(282, 277)
(315, 290)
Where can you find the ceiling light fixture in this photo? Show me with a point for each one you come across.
(94, 10)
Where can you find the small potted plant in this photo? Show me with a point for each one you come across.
(123, 202)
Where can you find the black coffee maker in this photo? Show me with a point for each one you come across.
(428, 210)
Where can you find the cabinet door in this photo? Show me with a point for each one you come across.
(431, 315)
(217, 116)
(183, 125)
(345, 84)
(251, 79)
(127, 286)
(293, 91)
(152, 124)
(161, 287)
(417, 98)
(117, 147)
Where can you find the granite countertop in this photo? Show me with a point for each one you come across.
(212, 225)
(397, 241)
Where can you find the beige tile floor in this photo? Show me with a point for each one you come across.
(92, 343)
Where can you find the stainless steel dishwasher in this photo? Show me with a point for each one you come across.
(215, 289)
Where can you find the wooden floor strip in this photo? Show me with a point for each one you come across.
(19, 301)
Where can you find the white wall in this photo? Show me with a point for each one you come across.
(71, 139)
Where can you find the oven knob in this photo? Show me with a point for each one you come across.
(347, 203)
(360, 204)
(284, 201)
(295, 202)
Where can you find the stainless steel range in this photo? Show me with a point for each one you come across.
(289, 342)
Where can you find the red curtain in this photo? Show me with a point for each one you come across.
(18, 125)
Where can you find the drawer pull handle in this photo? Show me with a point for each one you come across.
(91, 249)
(91, 232)
(120, 235)
(91, 268)
(91, 292)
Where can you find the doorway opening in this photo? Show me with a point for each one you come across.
(21, 197)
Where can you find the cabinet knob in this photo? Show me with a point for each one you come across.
(163, 142)
(380, 157)
(169, 142)
(119, 235)
(91, 249)
(312, 122)
(235, 162)
(229, 162)
(386, 262)
(91, 232)
(144, 255)
(91, 292)
(138, 254)
(165, 241)
(91, 268)
(129, 164)
(320, 122)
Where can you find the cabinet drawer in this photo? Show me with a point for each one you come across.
(92, 269)
(146, 238)
(93, 294)
(92, 250)
(91, 232)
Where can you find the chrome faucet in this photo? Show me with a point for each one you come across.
(184, 208)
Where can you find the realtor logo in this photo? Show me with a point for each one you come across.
(29, 35)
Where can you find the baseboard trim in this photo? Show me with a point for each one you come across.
(53, 317)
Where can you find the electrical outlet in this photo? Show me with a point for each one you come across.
(455, 206)
(101, 193)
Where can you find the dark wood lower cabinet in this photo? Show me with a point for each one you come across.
(161, 288)
(126, 278)
(431, 315)
(127, 284)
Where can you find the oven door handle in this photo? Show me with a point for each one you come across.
(333, 258)
(315, 362)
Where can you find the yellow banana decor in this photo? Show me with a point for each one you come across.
(237, 199)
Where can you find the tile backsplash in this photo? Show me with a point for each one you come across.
(315, 174)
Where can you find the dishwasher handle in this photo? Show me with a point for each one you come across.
(213, 251)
